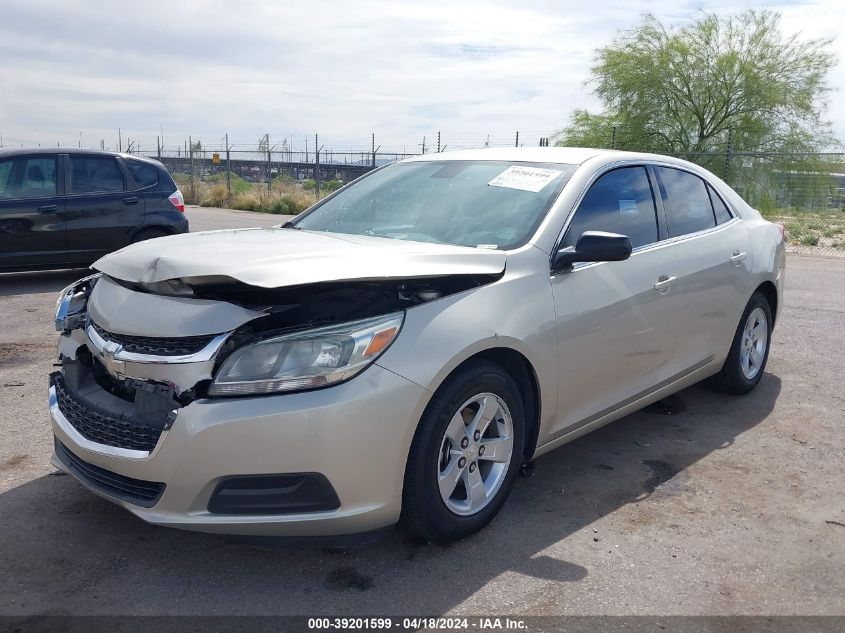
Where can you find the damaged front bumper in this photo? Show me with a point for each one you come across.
(134, 428)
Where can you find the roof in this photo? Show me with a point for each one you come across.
(5, 153)
(563, 155)
(566, 155)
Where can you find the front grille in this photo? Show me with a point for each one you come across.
(137, 491)
(102, 428)
(156, 346)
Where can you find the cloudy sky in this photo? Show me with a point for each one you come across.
(79, 69)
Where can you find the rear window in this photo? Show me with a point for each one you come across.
(95, 174)
(145, 175)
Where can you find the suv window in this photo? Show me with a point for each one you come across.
(94, 174)
(145, 175)
(28, 177)
(5, 177)
(719, 209)
(619, 202)
(687, 203)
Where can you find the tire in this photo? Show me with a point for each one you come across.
(148, 234)
(457, 406)
(746, 361)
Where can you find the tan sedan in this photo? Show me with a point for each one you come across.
(401, 349)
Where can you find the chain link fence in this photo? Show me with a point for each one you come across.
(803, 191)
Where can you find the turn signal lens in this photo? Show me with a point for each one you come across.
(380, 342)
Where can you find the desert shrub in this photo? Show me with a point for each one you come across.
(309, 185)
(239, 185)
(283, 181)
(215, 196)
(282, 205)
(810, 240)
(247, 201)
(192, 195)
(331, 185)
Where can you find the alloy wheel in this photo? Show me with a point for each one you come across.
(475, 453)
(755, 338)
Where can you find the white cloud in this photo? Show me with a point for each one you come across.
(401, 70)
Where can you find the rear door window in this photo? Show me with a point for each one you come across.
(719, 209)
(145, 175)
(687, 203)
(620, 202)
(30, 177)
(95, 174)
(6, 178)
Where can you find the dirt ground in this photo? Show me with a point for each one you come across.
(713, 505)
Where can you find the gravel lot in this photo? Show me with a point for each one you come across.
(720, 505)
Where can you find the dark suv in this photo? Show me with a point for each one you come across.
(65, 208)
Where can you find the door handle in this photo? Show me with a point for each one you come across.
(131, 200)
(737, 258)
(48, 208)
(663, 283)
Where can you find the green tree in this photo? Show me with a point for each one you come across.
(681, 89)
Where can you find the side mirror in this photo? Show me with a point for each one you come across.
(594, 246)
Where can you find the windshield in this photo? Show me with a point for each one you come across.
(486, 204)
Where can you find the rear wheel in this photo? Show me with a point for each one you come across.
(746, 361)
(148, 234)
(466, 454)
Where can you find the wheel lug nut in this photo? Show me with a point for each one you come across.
(464, 443)
(481, 450)
(472, 467)
(476, 435)
(462, 462)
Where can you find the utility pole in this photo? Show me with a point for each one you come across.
(119, 141)
(438, 142)
(423, 145)
(191, 149)
(374, 149)
(269, 175)
(517, 139)
(613, 138)
(306, 149)
(729, 153)
(158, 147)
(317, 163)
(228, 168)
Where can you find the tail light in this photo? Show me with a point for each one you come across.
(177, 200)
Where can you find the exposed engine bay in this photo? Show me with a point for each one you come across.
(120, 355)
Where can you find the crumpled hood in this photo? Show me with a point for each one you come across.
(272, 258)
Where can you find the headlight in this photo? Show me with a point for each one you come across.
(73, 299)
(306, 360)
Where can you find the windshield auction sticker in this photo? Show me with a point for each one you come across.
(524, 178)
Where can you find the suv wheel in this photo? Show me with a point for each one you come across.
(465, 455)
(746, 361)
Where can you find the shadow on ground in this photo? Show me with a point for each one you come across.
(66, 551)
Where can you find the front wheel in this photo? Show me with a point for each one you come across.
(746, 361)
(465, 455)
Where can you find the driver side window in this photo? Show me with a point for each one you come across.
(620, 202)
